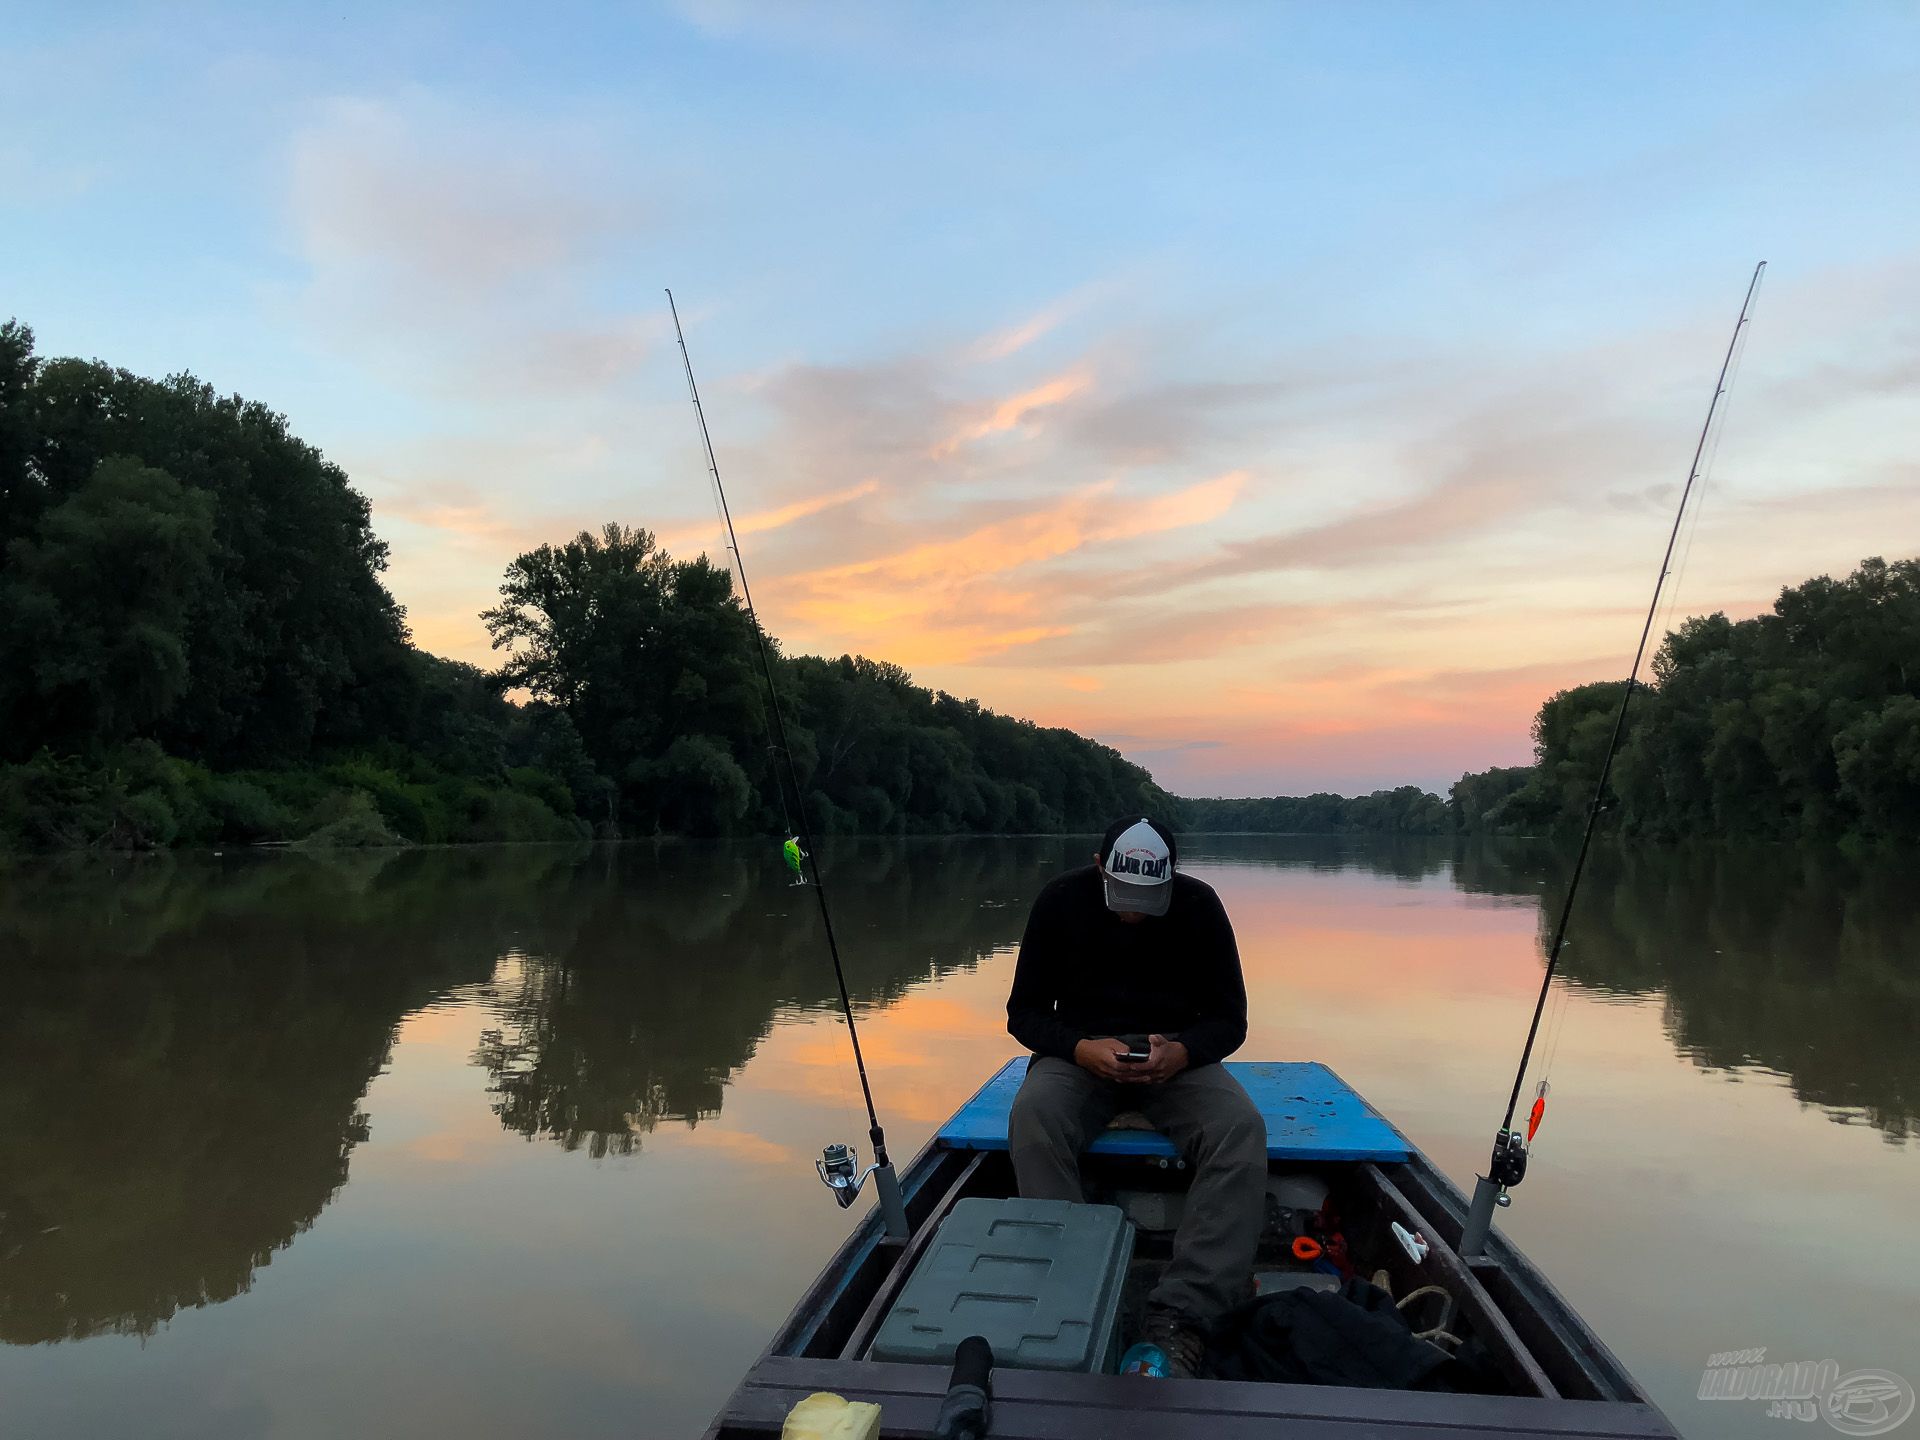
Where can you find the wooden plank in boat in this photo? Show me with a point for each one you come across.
(1311, 1114)
(1031, 1405)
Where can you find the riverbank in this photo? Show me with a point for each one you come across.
(140, 798)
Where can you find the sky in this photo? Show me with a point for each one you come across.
(1291, 397)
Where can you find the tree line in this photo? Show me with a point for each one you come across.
(196, 646)
(1406, 810)
(1804, 721)
(1800, 723)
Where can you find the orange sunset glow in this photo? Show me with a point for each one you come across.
(1293, 434)
(1367, 575)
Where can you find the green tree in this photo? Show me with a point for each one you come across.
(1472, 797)
(1879, 768)
(639, 652)
(1790, 723)
(96, 607)
(570, 615)
(291, 622)
(20, 486)
(695, 788)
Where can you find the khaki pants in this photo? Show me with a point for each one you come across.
(1061, 1108)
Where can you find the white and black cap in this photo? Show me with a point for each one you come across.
(1136, 866)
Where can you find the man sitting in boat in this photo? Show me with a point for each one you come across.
(1128, 955)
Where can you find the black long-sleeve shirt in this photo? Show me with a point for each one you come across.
(1083, 972)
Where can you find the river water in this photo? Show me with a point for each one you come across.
(514, 1141)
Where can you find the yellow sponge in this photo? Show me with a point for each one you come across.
(825, 1416)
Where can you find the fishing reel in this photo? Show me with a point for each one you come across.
(1508, 1166)
(840, 1172)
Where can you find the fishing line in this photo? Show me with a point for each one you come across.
(1555, 1024)
(1508, 1165)
(1559, 940)
(804, 832)
(1705, 489)
(735, 568)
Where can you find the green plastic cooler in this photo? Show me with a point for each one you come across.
(1039, 1279)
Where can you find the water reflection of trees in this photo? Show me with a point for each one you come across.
(676, 960)
(187, 1044)
(189, 1039)
(1401, 857)
(1796, 960)
(669, 977)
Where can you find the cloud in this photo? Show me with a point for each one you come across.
(1014, 339)
(1069, 518)
(453, 249)
(1095, 514)
(1154, 635)
(380, 186)
(472, 524)
(1532, 449)
(1010, 341)
(1152, 423)
(828, 422)
(1017, 410)
(951, 598)
(759, 522)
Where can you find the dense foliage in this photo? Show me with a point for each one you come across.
(195, 644)
(1804, 721)
(196, 647)
(181, 567)
(1409, 810)
(656, 666)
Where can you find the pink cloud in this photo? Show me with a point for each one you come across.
(1016, 411)
(760, 522)
(948, 601)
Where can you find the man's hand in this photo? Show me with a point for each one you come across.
(1102, 1057)
(1165, 1059)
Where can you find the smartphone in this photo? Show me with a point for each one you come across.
(1138, 1048)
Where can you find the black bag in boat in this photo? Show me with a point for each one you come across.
(1349, 1336)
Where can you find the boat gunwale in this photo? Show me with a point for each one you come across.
(1033, 1403)
(938, 1171)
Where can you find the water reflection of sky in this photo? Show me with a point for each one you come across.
(578, 1190)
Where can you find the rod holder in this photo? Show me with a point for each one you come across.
(893, 1206)
(1486, 1195)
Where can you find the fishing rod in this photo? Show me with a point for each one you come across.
(1509, 1163)
(838, 1164)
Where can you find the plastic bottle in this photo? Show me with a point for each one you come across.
(1146, 1360)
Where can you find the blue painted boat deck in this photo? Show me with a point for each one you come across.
(1311, 1114)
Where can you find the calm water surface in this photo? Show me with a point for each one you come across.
(499, 1142)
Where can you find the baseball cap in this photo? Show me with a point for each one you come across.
(1136, 866)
